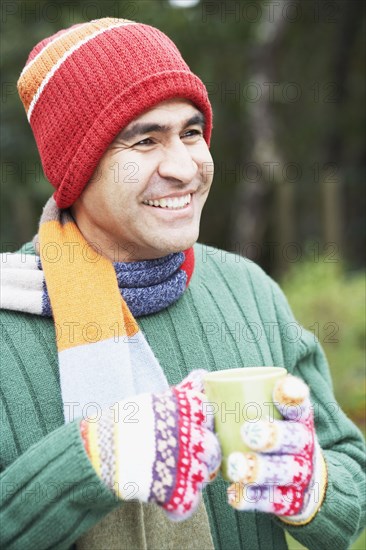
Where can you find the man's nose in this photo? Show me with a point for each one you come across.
(177, 163)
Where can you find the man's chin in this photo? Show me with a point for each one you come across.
(158, 246)
(180, 244)
(164, 247)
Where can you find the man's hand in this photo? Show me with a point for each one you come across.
(285, 474)
(164, 453)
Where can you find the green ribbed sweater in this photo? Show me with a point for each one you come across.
(232, 315)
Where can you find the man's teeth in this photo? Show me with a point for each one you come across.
(174, 203)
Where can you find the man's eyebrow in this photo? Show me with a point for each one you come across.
(141, 128)
(196, 119)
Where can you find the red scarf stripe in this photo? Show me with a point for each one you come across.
(188, 264)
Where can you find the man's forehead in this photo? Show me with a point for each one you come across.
(167, 116)
(173, 110)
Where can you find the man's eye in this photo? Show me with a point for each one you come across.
(146, 141)
(192, 133)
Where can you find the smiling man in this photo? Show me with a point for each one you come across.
(113, 311)
(157, 207)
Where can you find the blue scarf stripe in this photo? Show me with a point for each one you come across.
(147, 286)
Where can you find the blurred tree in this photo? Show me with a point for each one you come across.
(346, 34)
(251, 210)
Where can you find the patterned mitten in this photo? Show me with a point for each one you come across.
(156, 448)
(286, 473)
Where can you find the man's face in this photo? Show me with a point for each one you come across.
(146, 197)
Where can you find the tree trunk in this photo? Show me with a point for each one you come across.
(333, 179)
(251, 208)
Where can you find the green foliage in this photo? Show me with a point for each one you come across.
(360, 543)
(330, 302)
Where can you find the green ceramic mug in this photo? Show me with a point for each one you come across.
(236, 396)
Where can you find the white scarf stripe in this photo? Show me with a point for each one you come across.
(21, 283)
(16, 260)
(21, 299)
(135, 482)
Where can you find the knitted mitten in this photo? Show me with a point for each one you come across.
(156, 448)
(286, 474)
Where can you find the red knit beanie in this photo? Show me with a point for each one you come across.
(82, 85)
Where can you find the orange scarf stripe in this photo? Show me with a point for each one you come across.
(70, 262)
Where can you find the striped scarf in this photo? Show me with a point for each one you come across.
(103, 356)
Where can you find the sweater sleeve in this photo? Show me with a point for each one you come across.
(51, 495)
(341, 517)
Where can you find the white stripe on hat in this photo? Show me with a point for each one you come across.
(67, 54)
(51, 43)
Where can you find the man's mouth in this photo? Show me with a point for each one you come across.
(171, 203)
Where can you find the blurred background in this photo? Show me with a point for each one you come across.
(287, 83)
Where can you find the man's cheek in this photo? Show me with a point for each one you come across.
(207, 172)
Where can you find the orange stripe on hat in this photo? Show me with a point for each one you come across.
(37, 70)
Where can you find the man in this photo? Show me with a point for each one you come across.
(97, 451)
